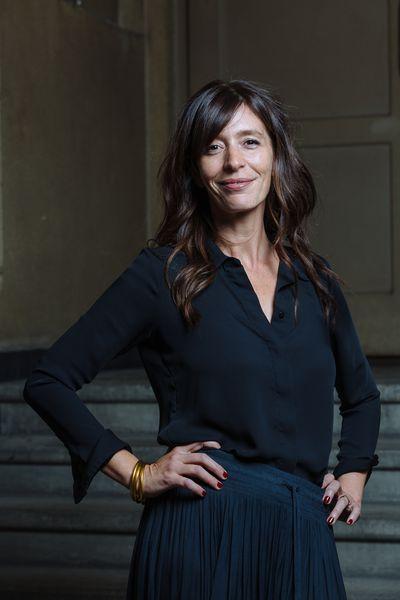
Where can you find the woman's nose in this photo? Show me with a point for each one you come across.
(233, 158)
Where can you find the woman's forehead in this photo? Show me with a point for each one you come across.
(244, 120)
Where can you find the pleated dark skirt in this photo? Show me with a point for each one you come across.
(263, 536)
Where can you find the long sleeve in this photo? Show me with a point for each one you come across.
(122, 316)
(358, 393)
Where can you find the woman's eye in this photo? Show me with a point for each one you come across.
(214, 147)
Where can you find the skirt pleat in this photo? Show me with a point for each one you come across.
(263, 536)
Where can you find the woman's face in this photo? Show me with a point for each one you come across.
(242, 151)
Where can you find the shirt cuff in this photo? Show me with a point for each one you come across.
(356, 465)
(83, 472)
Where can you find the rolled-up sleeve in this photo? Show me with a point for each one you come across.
(123, 315)
(359, 396)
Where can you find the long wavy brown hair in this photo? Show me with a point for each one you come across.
(187, 217)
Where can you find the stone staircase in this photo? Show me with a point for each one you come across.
(52, 548)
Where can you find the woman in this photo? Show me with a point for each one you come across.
(244, 333)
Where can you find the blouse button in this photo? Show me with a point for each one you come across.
(281, 314)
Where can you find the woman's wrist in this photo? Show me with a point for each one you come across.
(120, 466)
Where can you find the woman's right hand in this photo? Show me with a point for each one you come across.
(175, 468)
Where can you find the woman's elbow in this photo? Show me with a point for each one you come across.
(32, 388)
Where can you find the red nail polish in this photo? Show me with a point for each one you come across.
(203, 493)
(330, 520)
(225, 474)
(219, 484)
(326, 499)
(350, 521)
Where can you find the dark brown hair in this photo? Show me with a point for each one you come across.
(187, 218)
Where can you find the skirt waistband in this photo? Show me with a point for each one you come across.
(257, 478)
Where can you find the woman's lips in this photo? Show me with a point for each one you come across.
(239, 185)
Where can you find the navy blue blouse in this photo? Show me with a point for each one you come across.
(264, 390)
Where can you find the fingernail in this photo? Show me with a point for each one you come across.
(225, 474)
(327, 499)
(219, 484)
(330, 520)
(203, 493)
(350, 521)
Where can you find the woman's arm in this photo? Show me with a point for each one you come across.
(359, 397)
(121, 317)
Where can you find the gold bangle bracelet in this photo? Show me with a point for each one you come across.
(136, 482)
(132, 480)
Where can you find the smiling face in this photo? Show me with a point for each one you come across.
(236, 167)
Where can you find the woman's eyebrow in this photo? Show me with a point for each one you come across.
(245, 132)
(249, 132)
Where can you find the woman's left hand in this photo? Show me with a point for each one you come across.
(347, 507)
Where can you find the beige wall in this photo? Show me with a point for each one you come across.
(87, 106)
(335, 64)
(85, 111)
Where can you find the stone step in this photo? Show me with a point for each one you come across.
(25, 582)
(358, 558)
(34, 464)
(372, 588)
(384, 485)
(118, 385)
(143, 415)
(40, 464)
(40, 583)
(379, 521)
(67, 549)
(369, 559)
(57, 514)
(125, 396)
(46, 448)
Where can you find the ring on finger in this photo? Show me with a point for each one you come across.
(349, 500)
